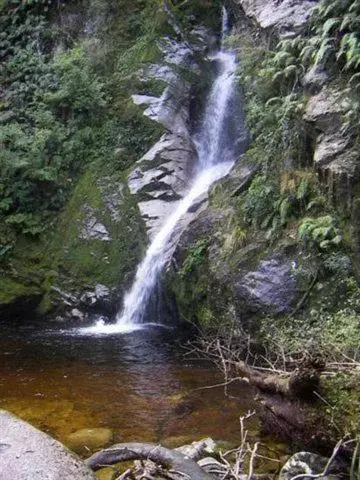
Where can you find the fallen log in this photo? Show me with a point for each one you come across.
(166, 457)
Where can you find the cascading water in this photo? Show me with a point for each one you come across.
(216, 158)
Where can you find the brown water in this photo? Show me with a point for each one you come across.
(139, 385)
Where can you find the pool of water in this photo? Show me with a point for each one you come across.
(140, 385)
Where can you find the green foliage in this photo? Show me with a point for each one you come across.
(321, 232)
(259, 202)
(334, 35)
(26, 223)
(57, 116)
(195, 257)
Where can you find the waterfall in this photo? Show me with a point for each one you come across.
(215, 161)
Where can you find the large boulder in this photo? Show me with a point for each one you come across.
(28, 454)
(271, 288)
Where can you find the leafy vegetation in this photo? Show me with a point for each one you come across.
(195, 257)
(56, 115)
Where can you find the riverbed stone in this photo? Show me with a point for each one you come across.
(28, 454)
(108, 473)
(87, 439)
(199, 449)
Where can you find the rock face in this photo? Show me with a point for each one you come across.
(160, 187)
(270, 288)
(28, 454)
(163, 174)
(286, 17)
(335, 158)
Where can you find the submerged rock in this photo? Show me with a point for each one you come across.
(87, 439)
(28, 454)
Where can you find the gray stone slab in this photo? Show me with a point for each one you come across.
(29, 454)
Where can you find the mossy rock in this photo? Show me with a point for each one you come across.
(76, 261)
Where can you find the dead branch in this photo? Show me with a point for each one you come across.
(251, 464)
(171, 459)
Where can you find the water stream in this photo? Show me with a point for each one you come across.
(215, 159)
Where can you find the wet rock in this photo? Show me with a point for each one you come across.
(162, 178)
(28, 454)
(87, 439)
(77, 314)
(270, 288)
(197, 450)
(67, 298)
(328, 147)
(101, 293)
(307, 463)
(286, 17)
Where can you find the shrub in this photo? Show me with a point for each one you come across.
(321, 232)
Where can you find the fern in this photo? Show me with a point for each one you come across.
(325, 51)
(329, 25)
(282, 58)
(321, 232)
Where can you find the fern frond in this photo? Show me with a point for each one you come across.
(325, 50)
(281, 58)
(329, 25)
(291, 71)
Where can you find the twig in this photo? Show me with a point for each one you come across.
(224, 384)
(252, 458)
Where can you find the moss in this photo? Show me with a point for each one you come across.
(75, 263)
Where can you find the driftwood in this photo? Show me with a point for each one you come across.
(166, 457)
(301, 383)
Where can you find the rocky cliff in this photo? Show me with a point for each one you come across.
(83, 258)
